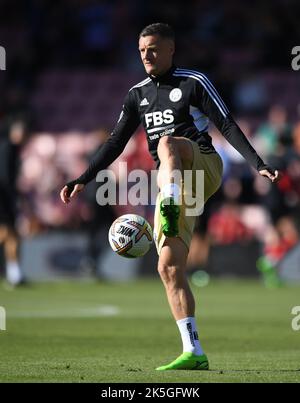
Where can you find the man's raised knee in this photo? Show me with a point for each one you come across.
(166, 142)
(182, 146)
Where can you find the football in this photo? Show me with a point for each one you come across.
(130, 236)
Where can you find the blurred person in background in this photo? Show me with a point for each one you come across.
(176, 105)
(12, 137)
(225, 226)
(285, 198)
(278, 241)
(274, 132)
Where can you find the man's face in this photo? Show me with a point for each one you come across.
(156, 53)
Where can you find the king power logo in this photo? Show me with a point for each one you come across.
(2, 58)
(2, 318)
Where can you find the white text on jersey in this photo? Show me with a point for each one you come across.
(158, 118)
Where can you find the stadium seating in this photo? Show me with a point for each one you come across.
(81, 100)
(85, 100)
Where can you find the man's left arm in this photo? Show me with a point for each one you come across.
(216, 110)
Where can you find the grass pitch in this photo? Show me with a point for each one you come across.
(94, 332)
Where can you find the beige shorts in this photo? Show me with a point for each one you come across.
(212, 166)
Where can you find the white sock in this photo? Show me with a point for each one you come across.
(13, 272)
(171, 190)
(189, 336)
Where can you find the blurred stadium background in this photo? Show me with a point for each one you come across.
(69, 66)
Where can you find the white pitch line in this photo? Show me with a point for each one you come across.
(102, 310)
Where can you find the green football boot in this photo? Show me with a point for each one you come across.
(169, 215)
(187, 361)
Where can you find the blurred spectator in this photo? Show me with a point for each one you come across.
(47, 161)
(275, 131)
(225, 226)
(279, 240)
(11, 138)
(284, 198)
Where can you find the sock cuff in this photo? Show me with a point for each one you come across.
(186, 320)
(171, 190)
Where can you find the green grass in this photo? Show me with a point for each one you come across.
(93, 332)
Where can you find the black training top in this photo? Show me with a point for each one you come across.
(179, 103)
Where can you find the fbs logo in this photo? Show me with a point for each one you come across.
(158, 118)
(2, 58)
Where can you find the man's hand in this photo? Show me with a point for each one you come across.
(65, 192)
(273, 175)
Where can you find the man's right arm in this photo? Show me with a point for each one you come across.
(111, 149)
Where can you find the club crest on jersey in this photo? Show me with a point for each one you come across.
(175, 95)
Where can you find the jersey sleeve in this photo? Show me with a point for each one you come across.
(214, 107)
(113, 147)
